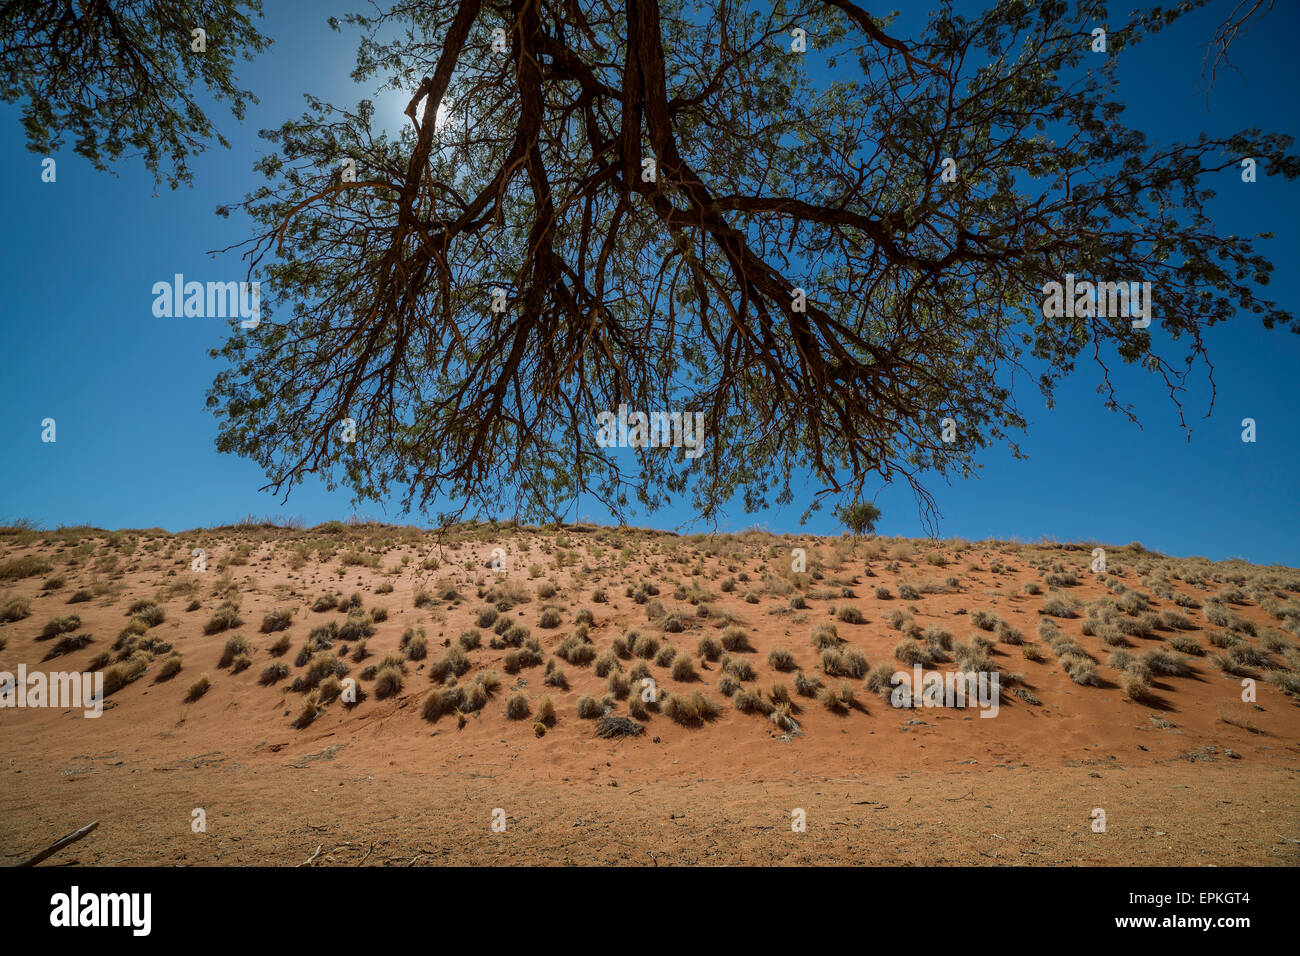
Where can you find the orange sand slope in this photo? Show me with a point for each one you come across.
(378, 692)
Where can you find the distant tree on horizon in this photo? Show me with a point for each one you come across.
(860, 517)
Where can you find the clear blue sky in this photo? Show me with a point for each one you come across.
(135, 443)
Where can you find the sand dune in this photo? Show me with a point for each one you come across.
(1120, 691)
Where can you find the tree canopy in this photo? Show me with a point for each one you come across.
(125, 75)
(829, 238)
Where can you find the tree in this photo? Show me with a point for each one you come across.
(655, 204)
(860, 517)
(121, 74)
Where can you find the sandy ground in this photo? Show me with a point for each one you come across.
(1192, 775)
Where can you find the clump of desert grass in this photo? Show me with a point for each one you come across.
(645, 646)
(454, 663)
(735, 640)
(638, 707)
(1078, 664)
(1186, 644)
(125, 672)
(1057, 607)
(1285, 681)
(1247, 655)
(169, 668)
(273, 672)
(554, 676)
(850, 614)
(1223, 639)
(973, 656)
(224, 618)
(326, 602)
(149, 612)
(750, 702)
(709, 649)
(1220, 615)
(844, 663)
(690, 709)
(67, 644)
(414, 644)
(235, 645)
(683, 668)
(197, 689)
(1238, 718)
(603, 664)
(880, 680)
(321, 666)
(1275, 641)
(309, 711)
(357, 626)
(739, 668)
(1008, 634)
(331, 688)
(674, 623)
(1133, 602)
(1135, 687)
(440, 701)
(59, 625)
(519, 658)
(1081, 669)
(388, 682)
(824, 636)
(27, 566)
(618, 685)
(1230, 666)
(277, 620)
(782, 659)
(912, 652)
(1174, 621)
(517, 706)
(838, 701)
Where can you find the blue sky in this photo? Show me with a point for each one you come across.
(135, 443)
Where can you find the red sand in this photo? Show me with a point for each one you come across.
(377, 784)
